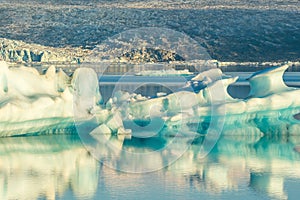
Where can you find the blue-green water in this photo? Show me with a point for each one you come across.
(59, 166)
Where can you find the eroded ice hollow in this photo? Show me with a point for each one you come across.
(33, 103)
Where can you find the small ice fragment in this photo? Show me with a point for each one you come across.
(210, 75)
(101, 133)
(123, 131)
(160, 94)
(115, 122)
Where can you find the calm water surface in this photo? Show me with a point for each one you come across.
(49, 167)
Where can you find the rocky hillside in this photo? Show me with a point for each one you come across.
(239, 31)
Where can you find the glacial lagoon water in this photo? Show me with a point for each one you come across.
(59, 167)
(239, 166)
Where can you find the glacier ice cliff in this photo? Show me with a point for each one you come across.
(18, 51)
(21, 52)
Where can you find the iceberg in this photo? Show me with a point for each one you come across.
(34, 103)
(268, 82)
(269, 101)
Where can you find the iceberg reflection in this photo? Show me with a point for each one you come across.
(45, 167)
(53, 166)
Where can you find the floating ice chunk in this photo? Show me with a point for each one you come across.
(60, 79)
(160, 94)
(146, 128)
(209, 76)
(121, 96)
(157, 107)
(205, 78)
(115, 122)
(86, 91)
(217, 90)
(101, 130)
(123, 131)
(267, 82)
(85, 83)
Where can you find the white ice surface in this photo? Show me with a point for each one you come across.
(33, 103)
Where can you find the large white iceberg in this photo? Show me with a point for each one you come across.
(33, 103)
